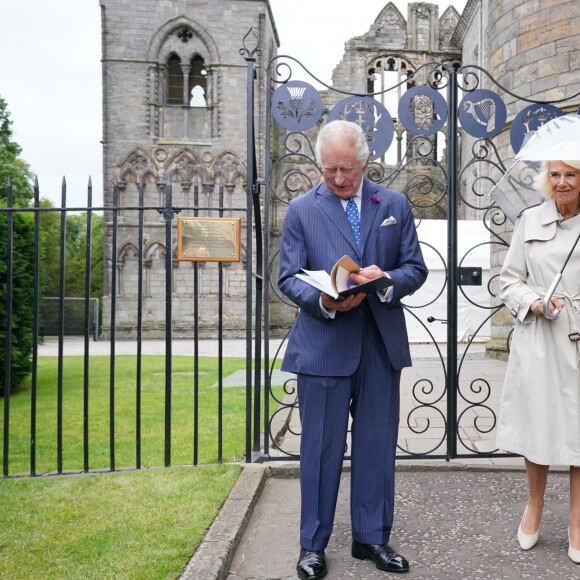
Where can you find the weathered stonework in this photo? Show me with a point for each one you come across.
(146, 134)
(531, 47)
(543, 66)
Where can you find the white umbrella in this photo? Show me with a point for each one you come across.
(558, 139)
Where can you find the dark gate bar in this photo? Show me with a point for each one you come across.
(196, 338)
(61, 295)
(250, 156)
(139, 330)
(168, 213)
(452, 377)
(36, 282)
(257, 314)
(86, 373)
(113, 258)
(220, 334)
(267, 279)
(8, 329)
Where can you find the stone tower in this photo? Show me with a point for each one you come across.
(174, 106)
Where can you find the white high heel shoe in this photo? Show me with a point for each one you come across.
(528, 541)
(573, 553)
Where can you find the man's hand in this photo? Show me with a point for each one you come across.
(350, 302)
(366, 274)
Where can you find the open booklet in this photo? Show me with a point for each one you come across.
(337, 284)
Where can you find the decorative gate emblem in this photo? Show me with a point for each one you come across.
(482, 113)
(372, 117)
(296, 106)
(530, 119)
(422, 110)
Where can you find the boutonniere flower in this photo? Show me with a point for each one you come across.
(375, 199)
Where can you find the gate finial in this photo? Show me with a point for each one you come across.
(246, 50)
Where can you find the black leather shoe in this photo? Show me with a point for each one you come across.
(384, 557)
(311, 564)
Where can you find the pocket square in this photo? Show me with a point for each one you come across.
(389, 221)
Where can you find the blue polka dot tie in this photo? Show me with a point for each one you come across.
(353, 220)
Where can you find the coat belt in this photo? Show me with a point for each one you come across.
(573, 318)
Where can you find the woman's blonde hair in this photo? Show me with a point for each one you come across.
(542, 180)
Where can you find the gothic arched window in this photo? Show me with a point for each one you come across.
(174, 81)
(197, 82)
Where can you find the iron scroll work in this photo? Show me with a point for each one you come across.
(450, 412)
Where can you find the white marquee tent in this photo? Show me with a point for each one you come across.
(474, 302)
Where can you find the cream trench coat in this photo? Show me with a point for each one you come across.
(539, 415)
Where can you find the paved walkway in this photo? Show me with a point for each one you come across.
(453, 520)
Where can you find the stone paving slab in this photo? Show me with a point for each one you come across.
(451, 523)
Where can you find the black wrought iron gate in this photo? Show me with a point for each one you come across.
(452, 140)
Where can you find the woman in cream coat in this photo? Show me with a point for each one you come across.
(540, 409)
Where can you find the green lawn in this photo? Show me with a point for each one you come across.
(137, 524)
(125, 396)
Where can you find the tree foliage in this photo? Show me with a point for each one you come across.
(75, 244)
(75, 254)
(22, 259)
(11, 165)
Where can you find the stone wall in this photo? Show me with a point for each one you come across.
(532, 49)
(145, 136)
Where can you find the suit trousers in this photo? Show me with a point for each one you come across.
(371, 396)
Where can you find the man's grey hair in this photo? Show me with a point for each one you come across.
(340, 132)
(542, 180)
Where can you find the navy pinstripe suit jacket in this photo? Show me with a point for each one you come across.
(316, 234)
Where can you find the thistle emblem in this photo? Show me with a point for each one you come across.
(297, 107)
(296, 97)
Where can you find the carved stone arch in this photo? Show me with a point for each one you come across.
(391, 61)
(137, 162)
(128, 269)
(153, 270)
(155, 250)
(447, 25)
(389, 16)
(230, 166)
(184, 51)
(128, 251)
(128, 176)
(203, 43)
(184, 166)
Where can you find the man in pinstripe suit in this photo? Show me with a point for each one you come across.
(348, 354)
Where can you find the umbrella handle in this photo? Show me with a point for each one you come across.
(547, 298)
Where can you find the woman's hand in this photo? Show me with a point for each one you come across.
(555, 306)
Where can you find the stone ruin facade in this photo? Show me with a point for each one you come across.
(172, 81)
(174, 107)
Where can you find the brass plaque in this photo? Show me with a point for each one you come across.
(208, 239)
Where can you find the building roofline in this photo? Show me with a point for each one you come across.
(464, 20)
